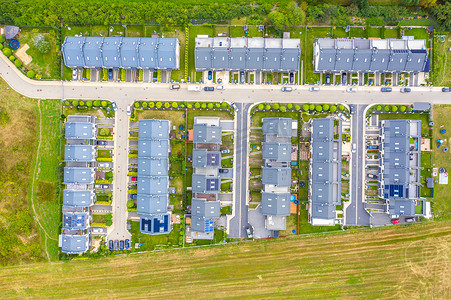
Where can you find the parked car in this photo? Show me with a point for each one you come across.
(97, 230)
(225, 151)
(121, 245)
(410, 220)
(395, 221)
(354, 148)
(210, 75)
(221, 87)
(351, 109)
(102, 143)
(127, 244)
(235, 107)
(129, 110)
(223, 170)
(327, 78)
(116, 245)
(291, 77)
(111, 245)
(175, 87)
(372, 176)
(314, 89)
(242, 77)
(133, 196)
(104, 186)
(344, 78)
(406, 90)
(103, 165)
(110, 74)
(113, 104)
(386, 90)
(134, 178)
(74, 74)
(372, 147)
(446, 89)
(209, 89)
(249, 232)
(351, 90)
(287, 89)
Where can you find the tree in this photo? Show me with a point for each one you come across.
(341, 107)
(81, 103)
(104, 103)
(297, 107)
(130, 204)
(96, 103)
(379, 108)
(108, 217)
(306, 107)
(319, 108)
(109, 175)
(2, 38)
(136, 104)
(217, 105)
(18, 63)
(326, 107)
(410, 109)
(311, 107)
(276, 106)
(428, 3)
(7, 52)
(224, 104)
(151, 104)
(294, 14)
(333, 108)
(167, 105)
(159, 104)
(290, 105)
(144, 104)
(443, 15)
(394, 108)
(277, 20)
(1, 46)
(203, 105)
(362, 4)
(175, 104)
(197, 105)
(89, 103)
(44, 47)
(387, 108)
(268, 107)
(283, 109)
(210, 105)
(75, 103)
(189, 105)
(109, 223)
(403, 108)
(261, 106)
(12, 58)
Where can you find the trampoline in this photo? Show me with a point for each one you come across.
(14, 44)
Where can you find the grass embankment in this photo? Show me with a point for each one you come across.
(408, 262)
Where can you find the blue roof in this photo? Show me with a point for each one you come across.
(75, 220)
(80, 130)
(73, 52)
(74, 175)
(72, 244)
(77, 198)
(152, 204)
(82, 153)
(156, 223)
(154, 129)
(153, 185)
(153, 148)
(148, 58)
(129, 53)
(111, 53)
(152, 167)
(92, 52)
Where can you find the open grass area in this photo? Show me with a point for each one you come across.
(175, 116)
(99, 30)
(357, 32)
(373, 32)
(353, 264)
(179, 33)
(391, 33)
(135, 31)
(307, 47)
(194, 31)
(339, 32)
(441, 204)
(442, 61)
(151, 242)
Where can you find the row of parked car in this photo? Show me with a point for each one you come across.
(118, 245)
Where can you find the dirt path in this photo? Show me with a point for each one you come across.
(21, 54)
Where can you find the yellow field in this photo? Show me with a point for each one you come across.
(404, 262)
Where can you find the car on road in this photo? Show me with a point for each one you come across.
(351, 109)
(314, 89)
(354, 148)
(446, 89)
(134, 178)
(235, 107)
(287, 89)
(121, 245)
(242, 77)
(116, 245)
(103, 165)
(395, 221)
(210, 75)
(344, 78)
(405, 90)
(174, 87)
(102, 143)
(113, 104)
(209, 89)
(410, 220)
(327, 78)
(351, 90)
(110, 74)
(249, 232)
(223, 170)
(225, 151)
(74, 74)
(133, 196)
(129, 110)
(386, 90)
(127, 244)
(111, 245)
(221, 87)
(291, 77)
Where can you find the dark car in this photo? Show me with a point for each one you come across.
(327, 78)
(121, 245)
(103, 143)
(223, 170)
(116, 245)
(210, 75)
(344, 78)
(242, 77)
(133, 196)
(110, 74)
(127, 244)
(386, 90)
(351, 109)
(291, 77)
(446, 89)
(209, 89)
(111, 245)
(406, 90)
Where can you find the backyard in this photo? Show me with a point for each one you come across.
(442, 60)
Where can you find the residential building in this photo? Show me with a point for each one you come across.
(79, 153)
(78, 198)
(370, 55)
(80, 130)
(74, 244)
(74, 175)
(121, 52)
(325, 171)
(247, 54)
(400, 167)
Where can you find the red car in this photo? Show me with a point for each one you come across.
(395, 221)
(134, 178)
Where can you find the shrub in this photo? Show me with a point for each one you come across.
(104, 74)
(75, 103)
(268, 107)
(81, 103)
(151, 104)
(31, 74)
(122, 74)
(379, 107)
(341, 107)
(210, 105)
(7, 52)
(189, 105)
(167, 105)
(204, 105)
(218, 105)
(387, 107)
(290, 105)
(403, 108)
(140, 75)
(18, 63)
(12, 58)
(297, 107)
(2, 38)
(130, 204)
(109, 223)
(311, 107)
(333, 108)
(326, 107)
(104, 103)
(261, 106)
(224, 104)
(276, 106)
(319, 108)
(144, 104)
(410, 109)
(159, 104)
(197, 105)
(104, 131)
(97, 103)
(108, 217)
(1, 46)
(394, 108)
(283, 109)
(136, 104)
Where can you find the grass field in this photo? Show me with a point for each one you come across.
(403, 262)
(441, 204)
(442, 61)
(194, 31)
(135, 31)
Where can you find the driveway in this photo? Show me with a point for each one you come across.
(257, 221)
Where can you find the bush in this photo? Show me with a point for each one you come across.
(104, 103)
(159, 104)
(144, 104)
(290, 105)
(81, 103)
(261, 106)
(283, 109)
(403, 108)
(410, 109)
(2, 38)
(109, 223)
(276, 106)
(136, 104)
(189, 105)
(130, 204)
(268, 107)
(104, 74)
(297, 107)
(311, 107)
(204, 105)
(75, 103)
(326, 107)
(7, 52)
(108, 217)
(12, 58)
(1, 46)
(319, 108)
(224, 104)
(122, 74)
(97, 103)
(394, 108)
(305, 107)
(379, 108)
(167, 105)
(197, 105)
(104, 131)
(18, 63)
(151, 104)
(387, 108)
(210, 105)
(31, 74)
(341, 107)
(218, 105)
(333, 108)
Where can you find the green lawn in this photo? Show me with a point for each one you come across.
(425, 129)
(149, 30)
(175, 116)
(116, 29)
(373, 32)
(104, 153)
(179, 33)
(417, 22)
(419, 34)
(99, 30)
(306, 227)
(151, 242)
(236, 31)
(71, 30)
(253, 31)
(339, 32)
(391, 33)
(194, 31)
(135, 31)
(222, 29)
(224, 115)
(442, 61)
(312, 33)
(357, 32)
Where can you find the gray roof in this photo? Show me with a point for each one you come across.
(78, 175)
(80, 130)
(154, 129)
(423, 106)
(275, 204)
(75, 220)
(152, 167)
(82, 153)
(153, 185)
(404, 207)
(78, 198)
(156, 223)
(278, 126)
(206, 159)
(355, 55)
(153, 148)
(203, 133)
(206, 209)
(280, 152)
(123, 52)
(280, 177)
(201, 224)
(152, 204)
(11, 31)
(74, 243)
(205, 184)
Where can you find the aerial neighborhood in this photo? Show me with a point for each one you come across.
(146, 138)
